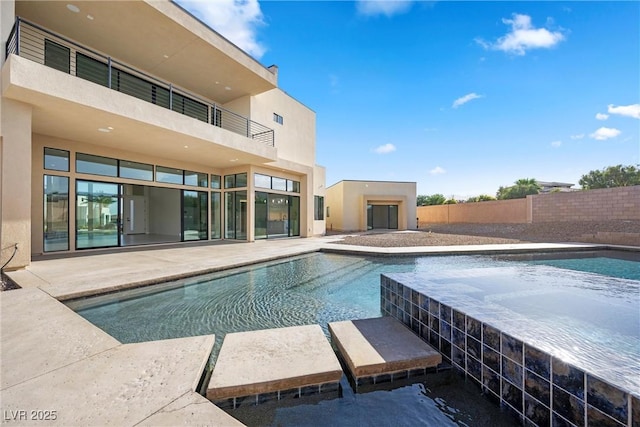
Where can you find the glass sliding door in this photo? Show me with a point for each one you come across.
(382, 216)
(278, 216)
(216, 213)
(56, 213)
(97, 214)
(194, 215)
(294, 216)
(261, 215)
(236, 215)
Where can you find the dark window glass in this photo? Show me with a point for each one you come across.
(229, 181)
(57, 160)
(196, 179)
(91, 69)
(194, 218)
(56, 213)
(190, 107)
(96, 165)
(241, 180)
(318, 208)
(169, 175)
(216, 215)
(296, 186)
(97, 210)
(134, 170)
(57, 56)
(215, 181)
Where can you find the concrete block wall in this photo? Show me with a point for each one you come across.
(620, 203)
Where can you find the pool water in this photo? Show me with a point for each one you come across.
(320, 288)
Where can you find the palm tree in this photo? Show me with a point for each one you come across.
(522, 188)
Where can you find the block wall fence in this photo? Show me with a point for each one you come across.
(620, 203)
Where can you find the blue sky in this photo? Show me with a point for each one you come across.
(460, 97)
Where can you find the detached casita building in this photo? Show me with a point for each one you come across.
(129, 123)
(366, 205)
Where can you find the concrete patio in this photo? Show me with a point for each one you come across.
(54, 360)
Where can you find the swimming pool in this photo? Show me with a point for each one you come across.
(322, 288)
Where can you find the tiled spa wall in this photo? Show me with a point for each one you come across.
(537, 388)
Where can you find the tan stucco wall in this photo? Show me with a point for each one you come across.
(295, 139)
(348, 200)
(497, 212)
(319, 179)
(15, 158)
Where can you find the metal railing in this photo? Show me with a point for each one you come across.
(38, 44)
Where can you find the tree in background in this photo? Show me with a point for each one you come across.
(480, 198)
(434, 199)
(521, 189)
(451, 201)
(612, 176)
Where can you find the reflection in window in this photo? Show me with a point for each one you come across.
(262, 181)
(194, 215)
(96, 214)
(318, 208)
(56, 213)
(169, 175)
(96, 165)
(279, 184)
(196, 179)
(215, 182)
(238, 180)
(216, 215)
(57, 160)
(134, 170)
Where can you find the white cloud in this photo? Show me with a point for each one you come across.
(237, 20)
(577, 136)
(523, 36)
(556, 144)
(437, 171)
(601, 116)
(632, 110)
(464, 99)
(605, 133)
(385, 149)
(384, 7)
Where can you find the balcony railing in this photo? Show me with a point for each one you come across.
(45, 47)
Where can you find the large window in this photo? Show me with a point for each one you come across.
(97, 210)
(318, 208)
(382, 216)
(275, 183)
(216, 215)
(194, 218)
(169, 175)
(56, 213)
(236, 215)
(276, 215)
(196, 179)
(238, 180)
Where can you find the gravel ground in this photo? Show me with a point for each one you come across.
(482, 234)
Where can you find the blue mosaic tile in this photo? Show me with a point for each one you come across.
(434, 339)
(512, 371)
(635, 411)
(434, 323)
(474, 328)
(445, 330)
(568, 377)
(537, 387)
(406, 292)
(434, 307)
(491, 336)
(415, 326)
(558, 421)
(445, 349)
(474, 348)
(474, 367)
(459, 320)
(423, 301)
(512, 395)
(424, 316)
(445, 313)
(491, 358)
(458, 338)
(458, 357)
(491, 380)
(406, 319)
(536, 412)
(415, 311)
(512, 348)
(598, 418)
(424, 332)
(537, 361)
(414, 297)
(406, 305)
(568, 406)
(607, 398)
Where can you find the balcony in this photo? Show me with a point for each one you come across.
(40, 45)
